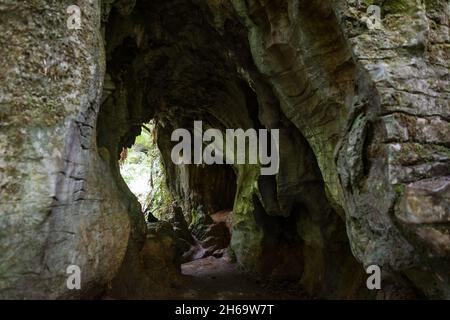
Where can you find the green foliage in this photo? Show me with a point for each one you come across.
(143, 171)
(400, 189)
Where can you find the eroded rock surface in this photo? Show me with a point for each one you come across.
(59, 203)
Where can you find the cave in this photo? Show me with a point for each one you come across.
(182, 72)
(361, 112)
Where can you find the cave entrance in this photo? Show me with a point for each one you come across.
(196, 199)
(142, 169)
(165, 62)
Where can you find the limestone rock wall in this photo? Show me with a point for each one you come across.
(403, 131)
(59, 204)
(373, 105)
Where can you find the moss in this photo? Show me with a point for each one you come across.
(398, 6)
(443, 150)
(400, 189)
(416, 153)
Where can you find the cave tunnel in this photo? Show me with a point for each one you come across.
(360, 113)
(166, 64)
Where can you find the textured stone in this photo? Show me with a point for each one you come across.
(426, 201)
(155, 270)
(59, 205)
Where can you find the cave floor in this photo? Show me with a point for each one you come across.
(219, 279)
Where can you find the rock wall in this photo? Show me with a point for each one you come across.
(373, 105)
(59, 204)
(403, 132)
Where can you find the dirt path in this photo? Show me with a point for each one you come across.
(217, 279)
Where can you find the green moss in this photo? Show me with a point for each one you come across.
(398, 6)
(443, 150)
(416, 153)
(399, 189)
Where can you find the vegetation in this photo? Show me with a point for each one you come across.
(143, 171)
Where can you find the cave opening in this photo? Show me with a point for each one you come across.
(142, 169)
(167, 67)
(198, 202)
